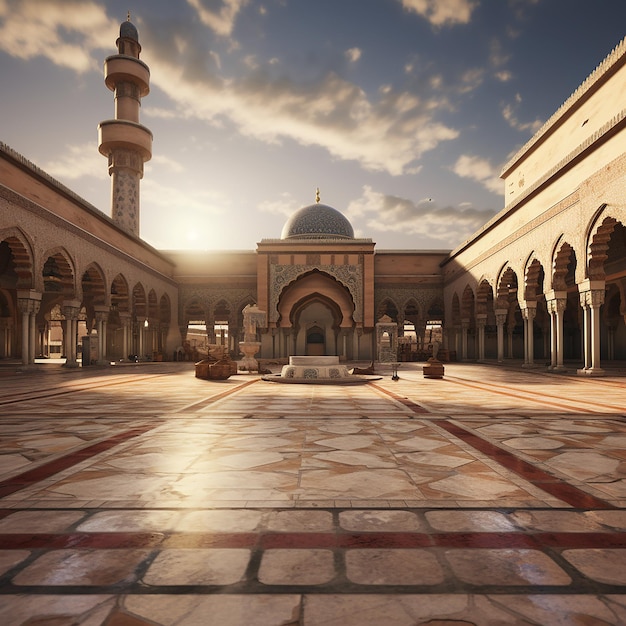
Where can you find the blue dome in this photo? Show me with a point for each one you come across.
(317, 221)
(128, 30)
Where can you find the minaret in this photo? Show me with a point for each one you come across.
(124, 141)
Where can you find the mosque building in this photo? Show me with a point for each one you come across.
(544, 281)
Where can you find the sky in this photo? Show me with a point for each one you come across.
(402, 112)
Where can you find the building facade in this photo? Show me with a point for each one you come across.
(543, 281)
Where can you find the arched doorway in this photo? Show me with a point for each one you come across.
(317, 323)
(316, 317)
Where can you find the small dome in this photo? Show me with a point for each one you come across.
(317, 221)
(128, 30)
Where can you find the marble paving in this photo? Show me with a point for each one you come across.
(139, 494)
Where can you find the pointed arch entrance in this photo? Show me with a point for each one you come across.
(315, 316)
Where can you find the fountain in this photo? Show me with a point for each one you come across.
(253, 317)
(317, 370)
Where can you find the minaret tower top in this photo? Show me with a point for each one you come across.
(123, 140)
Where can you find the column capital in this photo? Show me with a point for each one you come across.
(28, 300)
(71, 309)
(102, 312)
(29, 294)
(554, 295)
(591, 285)
(593, 298)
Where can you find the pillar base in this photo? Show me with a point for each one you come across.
(591, 371)
(557, 369)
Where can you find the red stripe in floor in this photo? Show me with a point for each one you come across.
(204, 403)
(550, 484)
(329, 540)
(416, 408)
(21, 481)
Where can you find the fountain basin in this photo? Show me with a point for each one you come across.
(317, 369)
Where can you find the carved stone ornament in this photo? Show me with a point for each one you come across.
(350, 276)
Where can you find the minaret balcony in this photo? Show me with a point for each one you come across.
(114, 134)
(121, 68)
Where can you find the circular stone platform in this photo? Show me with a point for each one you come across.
(317, 370)
(353, 379)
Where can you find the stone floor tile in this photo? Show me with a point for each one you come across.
(82, 567)
(612, 519)
(603, 565)
(393, 567)
(553, 610)
(197, 567)
(388, 521)
(296, 567)
(220, 520)
(10, 558)
(222, 610)
(299, 521)
(55, 610)
(555, 521)
(505, 567)
(405, 610)
(40, 521)
(130, 521)
(469, 521)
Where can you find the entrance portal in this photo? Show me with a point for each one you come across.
(315, 341)
(316, 336)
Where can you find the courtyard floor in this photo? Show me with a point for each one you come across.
(140, 495)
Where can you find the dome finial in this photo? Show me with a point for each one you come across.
(317, 195)
(128, 16)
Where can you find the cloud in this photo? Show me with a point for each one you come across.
(65, 31)
(192, 203)
(353, 54)
(471, 80)
(509, 114)
(480, 170)
(442, 12)
(387, 132)
(171, 165)
(221, 20)
(285, 205)
(78, 161)
(387, 213)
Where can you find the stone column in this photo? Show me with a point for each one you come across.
(70, 310)
(126, 322)
(481, 322)
(5, 331)
(456, 340)
(556, 302)
(102, 314)
(611, 342)
(141, 327)
(28, 303)
(356, 344)
(591, 299)
(464, 328)
(501, 315)
(529, 310)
